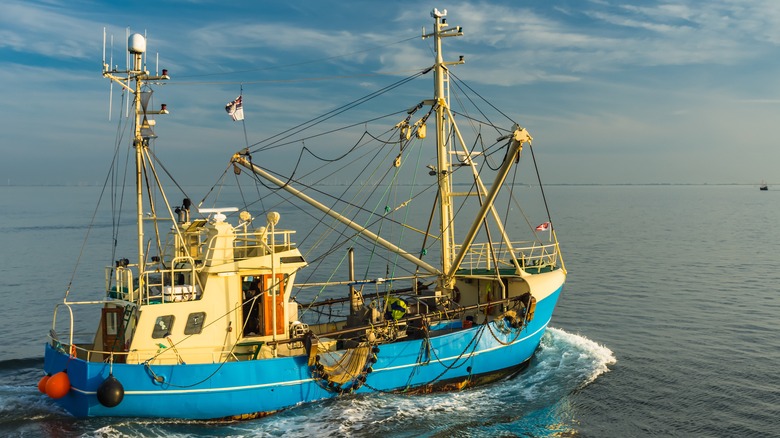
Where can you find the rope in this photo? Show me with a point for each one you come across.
(147, 364)
(541, 187)
(519, 331)
(90, 226)
(459, 81)
(274, 140)
(474, 340)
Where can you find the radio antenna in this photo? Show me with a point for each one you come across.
(127, 63)
(104, 48)
(104, 69)
(111, 86)
(145, 53)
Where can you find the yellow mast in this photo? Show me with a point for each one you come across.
(139, 142)
(136, 45)
(444, 168)
(444, 120)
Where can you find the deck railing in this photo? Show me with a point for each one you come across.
(531, 256)
(246, 243)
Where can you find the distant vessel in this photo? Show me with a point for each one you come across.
(763, 186)
(204, 324)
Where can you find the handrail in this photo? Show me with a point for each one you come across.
(169, 279)
(440, 314)
(67, 304)
(54, 322)
(529, 256)
(247, 241)
(558, 250)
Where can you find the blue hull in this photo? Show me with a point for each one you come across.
(468, 357)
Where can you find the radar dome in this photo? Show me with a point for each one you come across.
(136, 43)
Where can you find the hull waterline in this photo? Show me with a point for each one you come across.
(468, 357)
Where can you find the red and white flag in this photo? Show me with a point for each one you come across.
(235, 109)
(543, 226)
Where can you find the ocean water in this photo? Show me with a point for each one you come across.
(668, 325)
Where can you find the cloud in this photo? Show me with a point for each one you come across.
(248, 39)
(564, 44)
(48, 30)
(607, 73)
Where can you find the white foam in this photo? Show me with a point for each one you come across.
(576, 352)
(106, 431)
(565, 362)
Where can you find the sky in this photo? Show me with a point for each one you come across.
(613, 91)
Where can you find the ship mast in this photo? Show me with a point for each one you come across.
(445, 124)
(138, 143)
(441, 102)
(136, 77)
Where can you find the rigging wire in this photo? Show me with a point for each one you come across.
(541, 187)
(321, 118)
(109, 176)
(346, 239)
(313, 61)
(488, 151)
(170, 176)
(406, 215)
(483, 99)
(152, 203)
(116, 213)
(315, 263)
(358, 144)
(288, 80)
(353, 205)
(458, 83)
(269, 144)
(313, 188)
(219, 181)
(243, 121)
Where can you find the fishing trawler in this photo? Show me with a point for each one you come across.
(216, 321)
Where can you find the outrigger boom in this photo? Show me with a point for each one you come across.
(243, 160)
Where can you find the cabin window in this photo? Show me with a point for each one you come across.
(194, 323)
(163, 326)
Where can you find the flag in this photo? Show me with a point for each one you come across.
(543, 226)
(235, 109)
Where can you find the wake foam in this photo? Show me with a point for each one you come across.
(533, 400)
(575, 356)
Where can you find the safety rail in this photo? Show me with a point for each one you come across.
(529, 255)
(247, 243)
(176, 278)
(72, 348)
(163, 356)
(161, 284)
(178, 281)
(120, 282)
(88, 352)
(262, 242)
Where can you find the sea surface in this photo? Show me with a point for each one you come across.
(667, 326)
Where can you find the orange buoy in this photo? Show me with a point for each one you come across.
(58, 385)
(42, 383)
